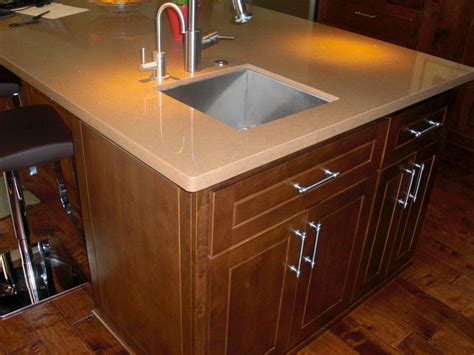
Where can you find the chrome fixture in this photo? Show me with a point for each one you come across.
(432, 125)
(297, 268)
(194, 42)
(421, 167)
(317, 228)
(159, 57)
(329, 176)
(242, 15)
(412, 173)
(408, 195)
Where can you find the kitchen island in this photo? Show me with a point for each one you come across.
(198, 240)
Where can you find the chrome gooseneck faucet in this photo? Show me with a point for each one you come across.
(195, 42)
(159, 57)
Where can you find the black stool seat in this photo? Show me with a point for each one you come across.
(9, 82)
(31, 136)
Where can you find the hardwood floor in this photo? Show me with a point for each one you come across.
(62, 326)
(428, 309)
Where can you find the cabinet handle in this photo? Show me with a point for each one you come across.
(418, 181)
(404, 201)
(297, 269)
(317, 228)
(329, 176)
(363, 14)
(432, 125)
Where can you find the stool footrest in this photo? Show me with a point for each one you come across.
(54, 271)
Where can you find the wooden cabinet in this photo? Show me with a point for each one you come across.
(424, 169)
(242, 267)
(336, 229)
(444, 28)
(403, 191)
(251, 292)
(260, 266)
(396, 21)
(393, 187)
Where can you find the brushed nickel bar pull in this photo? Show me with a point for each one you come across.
(432, 126)
(418, 182)
(297, 269)
(404, 202)
(329, 176)
(363, 14)
(317, 228)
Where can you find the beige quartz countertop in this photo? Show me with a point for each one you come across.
(88, 63)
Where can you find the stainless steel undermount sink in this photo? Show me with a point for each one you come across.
(245, 98)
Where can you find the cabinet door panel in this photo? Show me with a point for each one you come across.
(324, 291)
(387, 219)
(251, 292)
(407, 237)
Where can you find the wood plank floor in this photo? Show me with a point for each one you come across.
(428, 309)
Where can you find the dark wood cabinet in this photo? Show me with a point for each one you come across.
(396, 21)
(444, 28)
(408, 231)
(251, 292)
(393, 191)
(399, 209)
(217, 268)
(404, 185)
(336, 229)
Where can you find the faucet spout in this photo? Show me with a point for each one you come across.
(162, 8)
(242, 15)
(159, 57)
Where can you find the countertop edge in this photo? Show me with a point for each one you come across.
(209, 179)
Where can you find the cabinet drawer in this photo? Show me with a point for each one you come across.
(415, 127)
(393, 24)
(413, 4)
(263, 200)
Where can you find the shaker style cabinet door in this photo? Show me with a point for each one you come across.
(336, 228)
(251, 291)
(389, 213)
(425, 171)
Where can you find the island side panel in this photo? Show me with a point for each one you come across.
(139, 240)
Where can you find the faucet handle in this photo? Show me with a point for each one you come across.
(227, 38)
(144, 66)
(212, 38)
(143, 56)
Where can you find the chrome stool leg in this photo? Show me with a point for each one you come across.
(7, 268)
(63, 195)
(16, 98)
(20, 226)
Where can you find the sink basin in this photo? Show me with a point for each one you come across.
(245, 98)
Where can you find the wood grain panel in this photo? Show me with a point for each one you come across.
(401, 143)
(325, 291)
(379, 19)
(387, 217)
(251, 292)
(261, 201)
(407, 236)
(135, 232)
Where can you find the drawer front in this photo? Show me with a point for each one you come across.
(263, 200)
(413, 4)
(415, 127)
(389, 23)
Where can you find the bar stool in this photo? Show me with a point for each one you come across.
(30, 136)
(10, 86)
